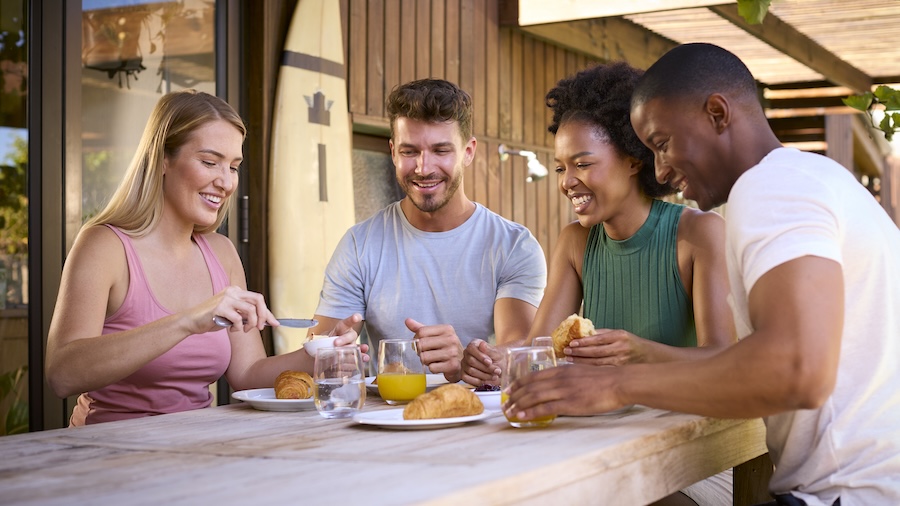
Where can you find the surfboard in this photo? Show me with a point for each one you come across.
(310, 176)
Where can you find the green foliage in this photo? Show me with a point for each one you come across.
(16, 421)
(753, 11)
(14, 200)
(883, 97)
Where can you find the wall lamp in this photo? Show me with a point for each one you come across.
(536, 170)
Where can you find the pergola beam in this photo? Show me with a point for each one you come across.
(606, 39)
(785, 38)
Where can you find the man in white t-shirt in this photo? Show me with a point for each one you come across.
(815, 282)
(435, 266)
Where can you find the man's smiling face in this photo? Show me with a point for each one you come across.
(684, 141)
(430, 159)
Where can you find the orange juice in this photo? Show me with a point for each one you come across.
(515, 422)
(395, 387)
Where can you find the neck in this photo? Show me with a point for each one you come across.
(453, 214)
(630, 220)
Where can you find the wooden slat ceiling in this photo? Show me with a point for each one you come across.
(861, 33)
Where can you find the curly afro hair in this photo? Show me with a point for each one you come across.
(601, 96)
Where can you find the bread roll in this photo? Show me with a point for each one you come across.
(293, 385)
(573, 327)
(445, 401)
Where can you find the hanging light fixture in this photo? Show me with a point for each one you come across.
(536, 169)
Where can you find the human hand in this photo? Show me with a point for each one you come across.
(347, 324)
(608, 347)
(244, 309)
(481, 363)
(350, 337)
(564, 391)
(439, 348)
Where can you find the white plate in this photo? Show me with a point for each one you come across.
(432, 381)
(264, 399)
(393, 419)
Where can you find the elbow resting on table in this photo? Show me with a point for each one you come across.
(808, 386)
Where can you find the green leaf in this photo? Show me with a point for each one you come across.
(860, 102)
(753, 11)
(886, 127)
(9, 379)
(17, 419)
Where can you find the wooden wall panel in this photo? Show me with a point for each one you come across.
(358, 56)
(407, 40)
(423, 39)
(375, 56)
(391, 46)
(507, 71)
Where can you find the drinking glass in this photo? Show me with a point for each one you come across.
(401, 375)
(340, 386)
(542, 341)
(519, 363)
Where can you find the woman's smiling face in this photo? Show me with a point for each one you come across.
(592, 173)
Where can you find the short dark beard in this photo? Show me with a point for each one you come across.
(430, 204)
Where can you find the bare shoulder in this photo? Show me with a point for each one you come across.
(703, 228)
(97, 244)
(573, 240)
(574, 234)
(225, 251)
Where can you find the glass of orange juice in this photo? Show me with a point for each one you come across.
(401, 375)
(521, 362)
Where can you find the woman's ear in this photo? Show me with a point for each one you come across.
(635, 165)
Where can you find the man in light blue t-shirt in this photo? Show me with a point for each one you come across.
(434, 266)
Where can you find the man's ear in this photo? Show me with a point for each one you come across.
(719, 111)
(470, 151)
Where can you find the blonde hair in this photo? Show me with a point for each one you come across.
(137, 204)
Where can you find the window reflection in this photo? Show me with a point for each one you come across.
(132, 52)
(13, 218)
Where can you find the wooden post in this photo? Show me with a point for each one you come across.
(751, 481)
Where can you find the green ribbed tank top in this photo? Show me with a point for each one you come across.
(635, 285)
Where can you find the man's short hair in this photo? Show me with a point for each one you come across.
(697, 70)
(434, 101)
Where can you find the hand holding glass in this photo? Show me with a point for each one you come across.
(521, 362)
(340, 387)
(401, 375)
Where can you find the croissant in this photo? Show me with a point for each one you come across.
(293, 385)
(446, 401)
(573, 327)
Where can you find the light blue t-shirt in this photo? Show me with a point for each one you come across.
(387, 270)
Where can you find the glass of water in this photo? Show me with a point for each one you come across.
(340, 385)
(521, 362)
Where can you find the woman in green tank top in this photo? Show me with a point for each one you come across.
(651, 275)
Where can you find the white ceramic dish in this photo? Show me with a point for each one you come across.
(393, 419)
(319, 342)
(264, 399)
(491, 400)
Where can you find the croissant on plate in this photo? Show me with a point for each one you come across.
(293, 385)
(445, 401)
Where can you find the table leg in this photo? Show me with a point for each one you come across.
(751, 481)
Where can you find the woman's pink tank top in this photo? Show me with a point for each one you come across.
(177, 380)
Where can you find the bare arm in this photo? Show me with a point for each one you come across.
(562, 297)
(564, 291)
(701, 260)
(789, 362)
(94, 283)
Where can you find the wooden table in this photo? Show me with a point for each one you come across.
(238, 455)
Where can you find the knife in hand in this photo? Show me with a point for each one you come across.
(285, 322)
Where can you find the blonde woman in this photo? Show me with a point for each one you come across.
(133, 329)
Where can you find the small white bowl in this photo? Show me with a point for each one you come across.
(491, 400)
(317, 342)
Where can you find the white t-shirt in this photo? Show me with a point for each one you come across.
(387, 270)
(795, 204)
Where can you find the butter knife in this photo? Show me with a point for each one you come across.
(285, 322)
